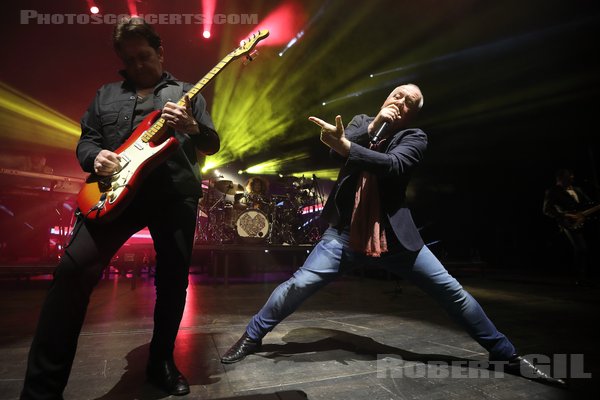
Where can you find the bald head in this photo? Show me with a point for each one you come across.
(409, 100)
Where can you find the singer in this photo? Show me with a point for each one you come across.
(370, 224)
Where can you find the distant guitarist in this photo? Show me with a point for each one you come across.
(570, 207)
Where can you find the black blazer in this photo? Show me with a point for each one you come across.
(392, 166)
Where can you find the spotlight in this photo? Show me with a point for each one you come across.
(208, 13)
(94, 10)
(132, 8)
(291, 43)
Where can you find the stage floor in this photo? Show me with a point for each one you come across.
(359, 339)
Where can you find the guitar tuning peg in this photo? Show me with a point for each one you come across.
(251, 57)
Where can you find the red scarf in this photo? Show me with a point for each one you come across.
(367, 235)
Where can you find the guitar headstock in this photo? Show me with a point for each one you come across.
(247, 45)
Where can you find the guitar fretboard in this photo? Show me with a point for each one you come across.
(160, 123)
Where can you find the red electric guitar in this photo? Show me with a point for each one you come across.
(102, 198)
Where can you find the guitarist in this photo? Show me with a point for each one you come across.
(166, 203)
(564, 203)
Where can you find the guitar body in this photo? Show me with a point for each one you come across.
(103, 198)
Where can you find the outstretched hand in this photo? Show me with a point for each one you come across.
(333, 135)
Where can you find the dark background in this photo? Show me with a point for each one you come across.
(511, 94)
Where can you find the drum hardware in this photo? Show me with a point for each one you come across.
(216, 213)
(227, 214)
(222, 185)
(228, 188)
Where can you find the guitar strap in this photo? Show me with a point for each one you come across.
(171, 93)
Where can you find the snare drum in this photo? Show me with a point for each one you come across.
(252, 225)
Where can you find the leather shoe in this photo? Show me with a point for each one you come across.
(166, 376)
(519, 366)
(243, 347)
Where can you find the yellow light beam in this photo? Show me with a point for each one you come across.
(25, 119)
(277, 165)
(328, 174)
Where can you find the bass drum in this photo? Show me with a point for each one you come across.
(253, 226)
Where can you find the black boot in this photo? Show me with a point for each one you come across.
(166, 376)
(519, 366)
(243, 347)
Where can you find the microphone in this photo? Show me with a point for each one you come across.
(375, 138)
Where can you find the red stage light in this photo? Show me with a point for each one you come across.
(208, 13)
(132, 8)
(94, 10)
(283, 23)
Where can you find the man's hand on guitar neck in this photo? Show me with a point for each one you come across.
(107, 163)
(180, 118)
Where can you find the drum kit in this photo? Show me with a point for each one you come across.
(229, 214)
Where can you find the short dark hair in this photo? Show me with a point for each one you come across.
(563, 173)
(135, 27)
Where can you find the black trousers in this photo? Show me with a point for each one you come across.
(581, 253)
(171, 222)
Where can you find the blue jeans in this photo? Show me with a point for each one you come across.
(331, 257)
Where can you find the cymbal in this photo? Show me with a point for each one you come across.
(223, 185)
(302, 183)
(228, 187)
(236, 189)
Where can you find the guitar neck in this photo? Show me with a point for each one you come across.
(245, 47)
(590, 210)
(160, 123)
(206, 79)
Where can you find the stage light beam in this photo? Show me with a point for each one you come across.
(283, 24)
(23, 118)
(93, 7)
(132, 8)
(208, 13)
(328, 174)
(276, 165)
(273, 96)
(299, 35)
